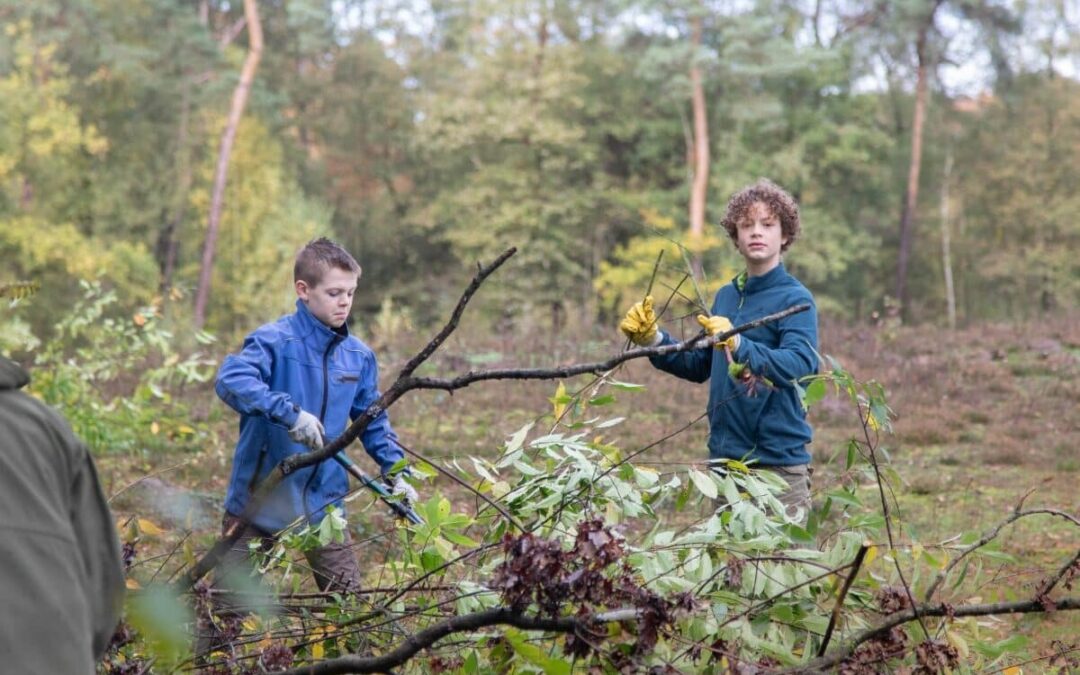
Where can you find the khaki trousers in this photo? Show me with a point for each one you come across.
(334, 566)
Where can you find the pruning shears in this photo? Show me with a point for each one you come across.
(401, 508)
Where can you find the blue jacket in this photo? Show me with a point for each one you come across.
(769, 427)
(297, 363)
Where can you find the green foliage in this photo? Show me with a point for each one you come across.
(117, 378)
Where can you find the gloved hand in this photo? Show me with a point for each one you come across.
(399, 487)
(714, 325)
(308, 430)
(640, 323)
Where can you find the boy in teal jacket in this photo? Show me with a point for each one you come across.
(761, 419)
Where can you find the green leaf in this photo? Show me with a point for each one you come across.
(703, 483)
(869, 521)
(626, 386)
(993, 651)
(852, 454)
(602, 400)
(644, 477)
(430, 560)
(999, 556)
(535, 655)
(161, 616)
(815, 391)
(682, 497)
(518, 439)
(798, 534)
(459, 539)
(846, 497)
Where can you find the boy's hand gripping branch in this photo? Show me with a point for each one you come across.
(640, 323)
(714, 325)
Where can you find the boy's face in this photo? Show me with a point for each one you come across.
(760, 237)
(331, 299)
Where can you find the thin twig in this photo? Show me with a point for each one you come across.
(453, 477)
(835, 617)
(147, 476)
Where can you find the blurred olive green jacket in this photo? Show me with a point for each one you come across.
(61, 576)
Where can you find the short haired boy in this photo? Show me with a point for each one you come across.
(761, 420)
(296, 382)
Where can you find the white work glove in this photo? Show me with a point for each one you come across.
(401, 488)
(308, 430)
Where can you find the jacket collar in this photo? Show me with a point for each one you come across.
(317, 329)
(11, 375)
(767, 280)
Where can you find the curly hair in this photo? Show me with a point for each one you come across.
(770, 194)
(320, 255)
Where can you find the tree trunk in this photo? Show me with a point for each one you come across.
(699, 187)
(236, 111)
(946, 240)
(168, 242)
(911, 195)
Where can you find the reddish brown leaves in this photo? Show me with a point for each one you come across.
(539, 572)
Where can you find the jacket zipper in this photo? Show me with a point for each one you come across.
(322, 411)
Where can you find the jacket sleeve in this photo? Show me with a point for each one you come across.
(242, 382)
(99, 548)
(694, 365)
(796, 355)
(379, 438)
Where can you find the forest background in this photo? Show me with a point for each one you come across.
(933, 145)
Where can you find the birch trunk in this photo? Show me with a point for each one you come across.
(228, 137)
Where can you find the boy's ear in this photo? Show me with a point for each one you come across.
(302, 289)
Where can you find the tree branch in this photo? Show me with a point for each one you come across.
(698, 342)
(989, 536)
(943, 609)
(835, 617)
(459, 624)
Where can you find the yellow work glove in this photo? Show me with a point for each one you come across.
(714, 325)
(640, 323)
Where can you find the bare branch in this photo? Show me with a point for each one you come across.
(902, 617)
(481, 275)
(458, 624)
(1048, 584)
(989, 536)
(855, 566)
(698, 342)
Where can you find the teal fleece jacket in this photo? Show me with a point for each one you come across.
(767, 426)
(61, 576)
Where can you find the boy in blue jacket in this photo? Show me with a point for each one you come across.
(757, 417)
(295, 383)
